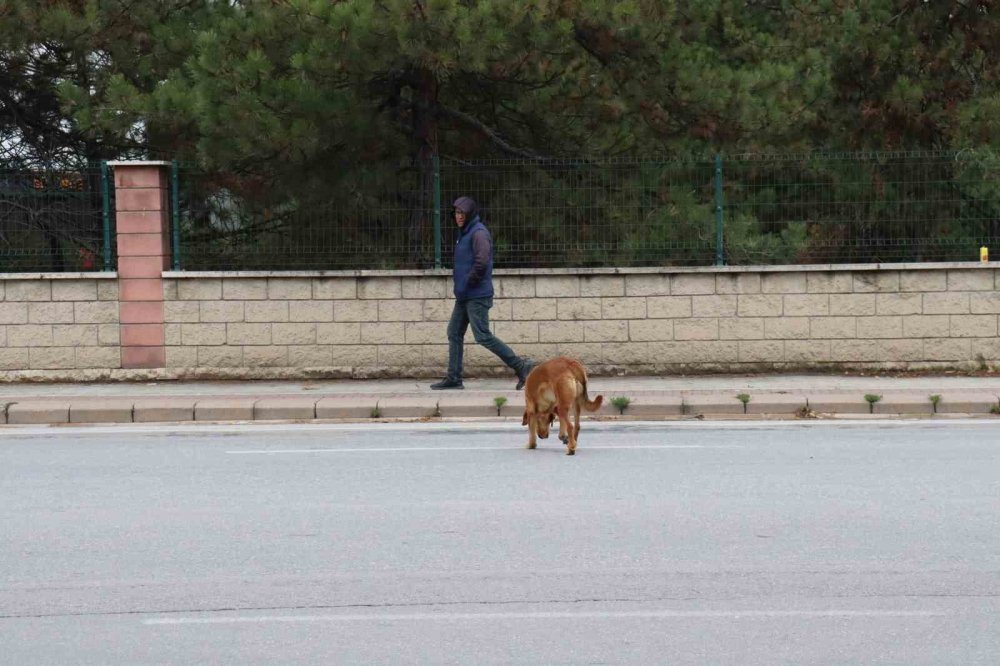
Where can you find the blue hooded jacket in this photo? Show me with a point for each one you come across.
(473, 271)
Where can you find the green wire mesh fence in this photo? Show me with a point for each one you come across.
(591, 212)
(370, 218)
(861, 207)
(744, 209)
(57, 220)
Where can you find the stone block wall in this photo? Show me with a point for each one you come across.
(634, 321)
(392, 324)
(61, 323)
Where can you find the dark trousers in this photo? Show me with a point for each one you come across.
(476, 311)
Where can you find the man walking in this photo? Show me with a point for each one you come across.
(473, 275)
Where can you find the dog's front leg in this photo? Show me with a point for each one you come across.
(532, 430)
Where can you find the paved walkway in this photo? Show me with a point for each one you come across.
(787, 396)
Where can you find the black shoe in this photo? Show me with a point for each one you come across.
(447, 383)
(523, 375)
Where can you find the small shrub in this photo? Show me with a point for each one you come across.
(872, 399)
(376, 412)
(744, 398)
(995, 409)
(499, 401)
(621, 402)
(935, 400)
(437, 409)
(804, 412)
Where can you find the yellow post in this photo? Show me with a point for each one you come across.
(984, 254)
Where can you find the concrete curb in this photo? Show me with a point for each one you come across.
(38, 412)
(655, 405)
(156, 410)
(223, 409)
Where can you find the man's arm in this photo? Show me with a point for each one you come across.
(480, 256)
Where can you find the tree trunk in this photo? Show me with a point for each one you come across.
(425, 147)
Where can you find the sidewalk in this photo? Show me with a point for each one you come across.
(780, 396)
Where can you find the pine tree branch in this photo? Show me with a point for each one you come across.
(490, 133)
(583, 38)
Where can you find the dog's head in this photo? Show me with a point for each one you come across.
(542, 422)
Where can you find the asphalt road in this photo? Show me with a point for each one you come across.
(680, 543)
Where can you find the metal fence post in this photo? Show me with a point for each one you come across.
(437, 211)
(175, 215)
(719, 256)
(106, 214)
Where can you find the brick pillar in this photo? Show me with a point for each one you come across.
(143, 229)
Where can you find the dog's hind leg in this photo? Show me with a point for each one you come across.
(573, 429)
(565, 425)
(565, 395)
(529, 420)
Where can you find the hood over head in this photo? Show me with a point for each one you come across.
(467, 205)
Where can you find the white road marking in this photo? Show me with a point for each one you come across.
(469, 448)
(541, 615)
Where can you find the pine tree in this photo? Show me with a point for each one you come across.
(72, 72)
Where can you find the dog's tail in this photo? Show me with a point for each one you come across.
(581, 376)
(591, 405)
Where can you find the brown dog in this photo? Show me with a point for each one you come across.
(557, 388)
